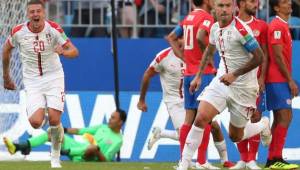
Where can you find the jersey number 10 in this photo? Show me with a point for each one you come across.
(188, 37)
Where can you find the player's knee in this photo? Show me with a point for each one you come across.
(202, 120)
(54, 121)
(35, 123)
(234, 137)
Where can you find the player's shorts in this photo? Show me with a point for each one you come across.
(190, 100)
(261, 102)
(278, 96)
(80, 147)
(45, 95)
(241, 103)
(177, 113)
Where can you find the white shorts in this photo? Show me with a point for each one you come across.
(45, 95)
(177, 113)
(241, 103)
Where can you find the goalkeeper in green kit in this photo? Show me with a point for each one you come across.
(101, 142)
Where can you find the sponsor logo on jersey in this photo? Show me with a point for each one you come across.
(256, 33)
(277, 35)
(206, 23)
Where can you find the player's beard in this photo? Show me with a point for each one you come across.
(251, 12)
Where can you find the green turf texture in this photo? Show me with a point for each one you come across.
(67, 165)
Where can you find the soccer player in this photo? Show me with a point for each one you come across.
(40, 43)
(235, 85)
(280, 86)
(170, 69)
(195, 29)
(101, 142)
(248, 148)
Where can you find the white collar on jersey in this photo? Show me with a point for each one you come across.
(248, 22)
(281, 19)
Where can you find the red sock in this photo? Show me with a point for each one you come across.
(280, 133)
(202, 149)
(253, 147)
(243, 149)
(184, 131)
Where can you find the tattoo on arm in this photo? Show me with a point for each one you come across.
(207, 55)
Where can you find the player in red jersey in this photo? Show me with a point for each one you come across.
(280, 86)
(195, 29)
(248, 148)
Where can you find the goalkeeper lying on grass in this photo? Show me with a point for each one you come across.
(101, 143)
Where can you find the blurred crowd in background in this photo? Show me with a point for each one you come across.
(137, 18)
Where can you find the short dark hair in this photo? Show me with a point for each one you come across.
(273, 4)
(123, 115)
(198, 2)
(36, 2)
(238, 2)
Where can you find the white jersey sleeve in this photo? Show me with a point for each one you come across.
(12, 39)
(212, 36)
(58, 33)
(157, 63)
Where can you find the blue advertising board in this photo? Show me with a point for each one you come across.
(90, 100)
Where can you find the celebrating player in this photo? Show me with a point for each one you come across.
(40, 43)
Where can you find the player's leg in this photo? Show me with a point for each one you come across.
(57, 132)
(25, 146)
(220, 144)
(278, 99)
(202, 150)
(55, 103)
(189, 113)
(241, 128)
(212, 102)
(205, 114)
(35, 107)
(177, 113)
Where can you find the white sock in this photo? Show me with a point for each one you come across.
(252, 129)
(222, 150)
(172, 134)
(57, 133)
(193, 141)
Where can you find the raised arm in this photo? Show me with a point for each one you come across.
(8, 83)
(172, 38)
(149, 73)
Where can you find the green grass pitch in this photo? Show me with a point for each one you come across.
(67, 165)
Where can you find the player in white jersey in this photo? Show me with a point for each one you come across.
(40, 43)
(170, 69)
(235, 85)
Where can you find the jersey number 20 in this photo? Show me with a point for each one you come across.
(38, 46)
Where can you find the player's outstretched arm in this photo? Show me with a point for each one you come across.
(149, 73)
(68, 50)
(8, 83)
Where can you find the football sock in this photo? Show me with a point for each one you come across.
(253, 147)
(280, 135)
(222, 150)
(243, 149)
(38, 140)
(172, 134)
(184, 131)
(56, 140)
(202, 149)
